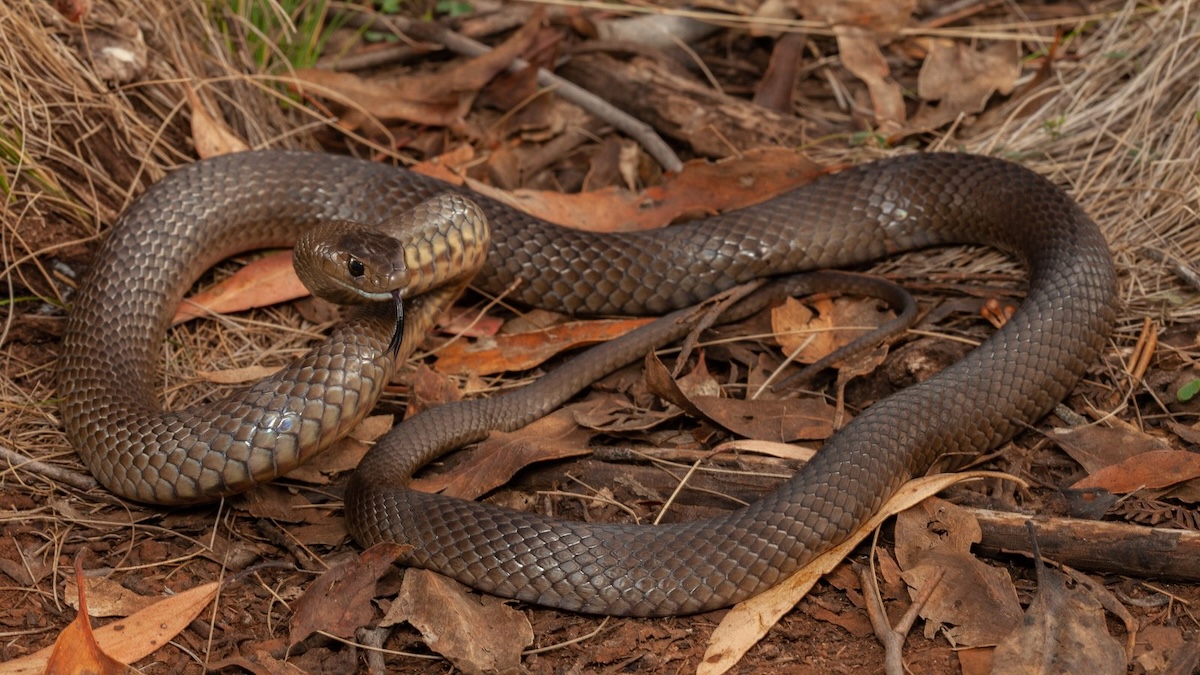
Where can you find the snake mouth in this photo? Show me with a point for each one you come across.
(398, 329)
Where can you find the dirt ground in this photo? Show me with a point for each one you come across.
(1100, 97)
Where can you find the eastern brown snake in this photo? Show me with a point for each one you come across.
(215, 208)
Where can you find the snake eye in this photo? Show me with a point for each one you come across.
(356, 268)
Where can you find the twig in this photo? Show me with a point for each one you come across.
(374, 637)
(636, 129)
(891, 638)
(397, 53)
(55, 473)
(1180, 268)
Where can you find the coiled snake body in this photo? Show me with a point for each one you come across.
(217, 207)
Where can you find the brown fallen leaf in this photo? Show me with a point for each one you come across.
(701, 188)
(614, 413)
(133, 638)
(851, 620)
(1064, 631)
(962, 79)
(238, 375)
(783, 420)
(468, 322)
(429, 389)
(748, 621)
(1155, 469)
(105, 598)
(265, 281)
(522, 351)
(449, 166)
(477, 635)
(439, 99)
(975, 661)
(698, 381)
(339, 601)
(775, 89)
(768, 448)
(808, 336)
(503, 454)
(277, 503)
(861, 26)
(210, 135)
(977, 602)
(1162, 643)
(333, 532)
(76, 650)
(1096, 447)
(860, 54)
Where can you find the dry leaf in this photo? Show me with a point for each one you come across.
(932, 524)
(836, 323)
(468, 322)
(1155, 469)
(339, 601)
(503, 454)
(861, 56)
(136, 637)
(852, 620)
(210, 135)
(784, 421)
(430, 389)
(1064, 631)
(265, 281)
(769, 448)
(748, 621)
(332, 532)
(765, 420)
(701, 188)
(975, 661)
(438, 99)
(258, 662)
(883, 17)
(962, 79)
(522, 351)
(1096, 447)
(76, 650)
(978, 601)
(238, 375)
(860, 26)
(777, 86)
(614, 414)
(275, 502)
(475, 635)
(106, 597)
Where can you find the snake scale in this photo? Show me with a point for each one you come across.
(217, 207)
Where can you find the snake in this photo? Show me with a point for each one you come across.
(217, 207)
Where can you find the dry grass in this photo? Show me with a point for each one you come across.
(1119, 126)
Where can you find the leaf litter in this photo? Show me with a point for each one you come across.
(1056, 133)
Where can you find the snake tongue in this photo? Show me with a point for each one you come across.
(398, 332)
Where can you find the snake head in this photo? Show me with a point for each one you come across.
(350, 263)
